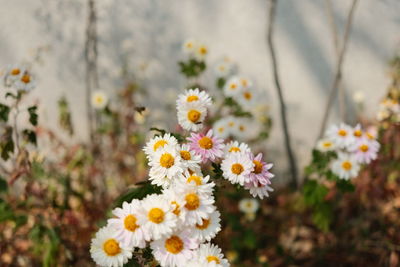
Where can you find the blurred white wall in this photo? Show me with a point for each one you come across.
(133, 31)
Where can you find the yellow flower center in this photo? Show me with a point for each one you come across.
(193, 115)
(233, 86)
(15, 71)
(111, 247)
(247, 95)
(244, 82)
(159, 143)
(221, 68)
(206, 142)
(242, 128)
(237, 168)
(327, 144)
(177, 209)
(204, 225)
(357, 133)
(192, 201)
(364, 148)
(370, 136)
(192, 98)
(231, 124)
(342, 132)
(258, 167)
(156, 215)
(130, 223)
(346, 165)
(185, 155)
(221, 129)
(174, 244)
(189, 45)
(203, 50)
(26, 78)
(234, 149)
(167, 160)
(99, 99)
(213, 258)
(194, 178)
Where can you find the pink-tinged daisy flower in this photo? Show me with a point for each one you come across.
(365, 150)
(175, 249)
(126, 225)
(207, 146)
(260, 174)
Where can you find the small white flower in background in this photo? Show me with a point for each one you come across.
(358, 97)
(175, 249)
(210, 255)
(159, 142)
(166, 165)
(245, 83)
(233, 86)
(126, 225)
(245, 128)
(221, 129)
(107, 251)
(224, 67)
(157, 217)
(12, 74)
(246, 98)
(248, 205)
(189, 46)
(325, 145)
(208, 229)
(25, 82)
(201, 52)
(345, 166)
(341, 135)
(99, 100)
(236, 168)
(236, 147)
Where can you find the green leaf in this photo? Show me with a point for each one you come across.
(132, 263)
(141, 190)
(322, 216)
(345, 186)
(4, 112)
(30, 136)
(7, 148)
(33, 117)
(3, 185)
(221, 82)
(314, 193)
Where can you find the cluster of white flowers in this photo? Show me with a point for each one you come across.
(195, 49)
(179, 223)
(19, 78)
(99, 99)
(389, 108)
(353, 147)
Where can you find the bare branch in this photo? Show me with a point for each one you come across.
(338, 72)
(289, 151)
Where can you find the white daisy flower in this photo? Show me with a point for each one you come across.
(236, 147)
(248, 205)
(190, 160)
(198, 205)
(221, 128)
(191, 116)
(246, 98)
(107, 251)
(358, 132)
(177, 201)
(99, 100)
(13, 73)
(233, 86)
(245, 83)
(25, 82)
(166, 165)
(365, 150)
(201, 51)
(245, 128)
(157, 217)
(193, 96)
(342, 135)
(126, 225)
(345, 166)
(208, 229)
(189, 46)
(174, 250)
(211, 256)
(158, 142)
(236, 168)
(202, 183)
(224, 67)
(325, 145)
